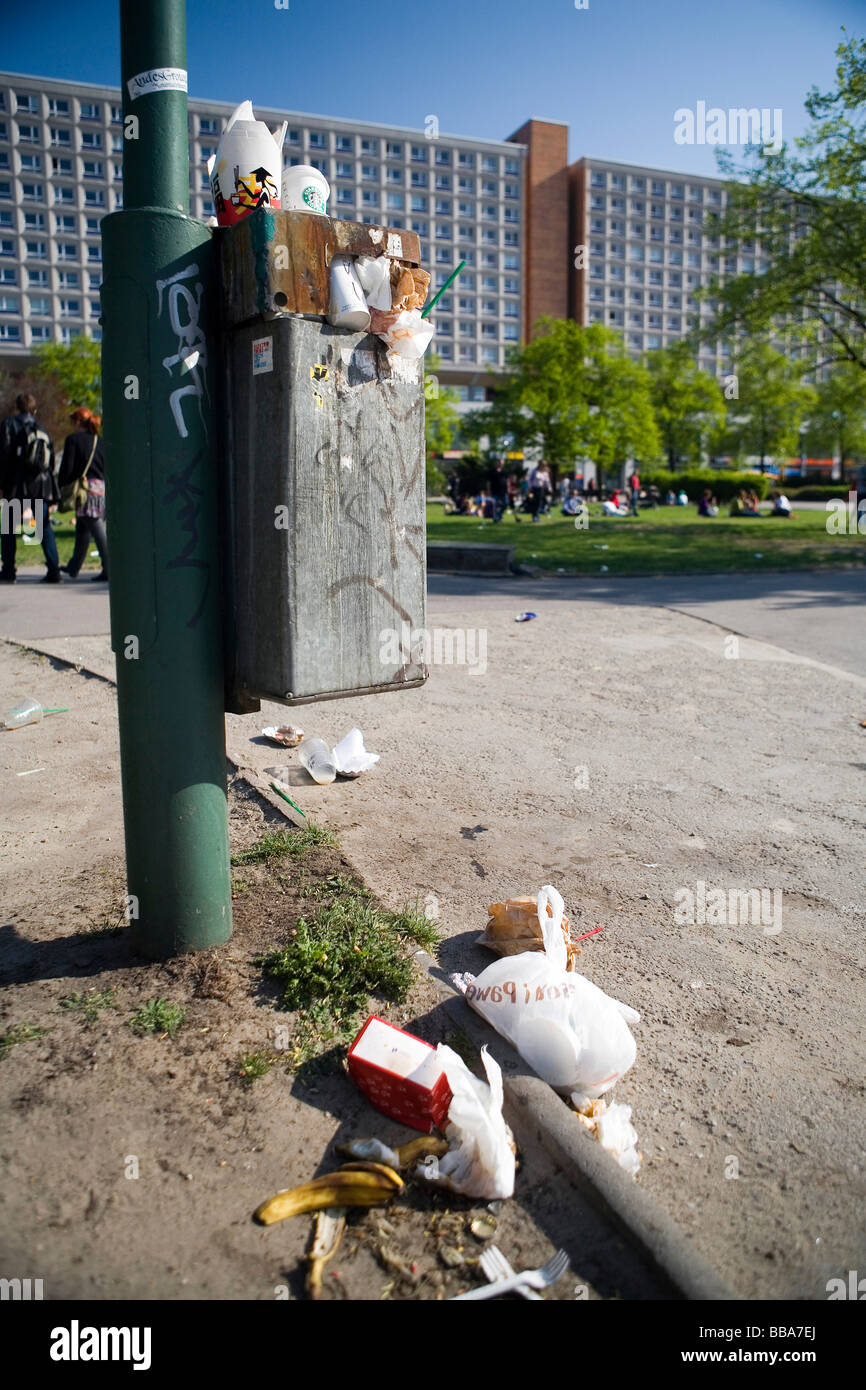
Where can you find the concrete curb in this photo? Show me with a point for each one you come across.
(537, 1114)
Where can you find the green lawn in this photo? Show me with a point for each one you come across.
(669, 540)
(64, 531)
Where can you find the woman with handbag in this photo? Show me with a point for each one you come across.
(82, 483)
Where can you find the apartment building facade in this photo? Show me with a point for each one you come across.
(61, 148)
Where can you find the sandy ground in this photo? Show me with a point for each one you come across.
(625, 754)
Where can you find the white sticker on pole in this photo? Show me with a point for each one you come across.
(157, 80)
(263, 355)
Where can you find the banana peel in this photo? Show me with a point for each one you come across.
(402, 1158)
(351, 1186)
(327, 1233)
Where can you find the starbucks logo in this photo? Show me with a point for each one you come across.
(313, 198)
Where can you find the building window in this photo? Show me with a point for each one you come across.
(41, 307)
(418, 203)
(369, 146)
(35, 222)
(394, 202)
(209, 125)
(94, 253)
(442, 157)
(466, 160)
(28, 134)
(394, 176)
(394, 149)
(64, 195)
(10, 332)
(90, 111)
(68, 279)
(7, 247)
(93, 169)
(419, 154)
(61, 137)
(443, 182)
(370, 198)
(116, 114)
(32, 192)
(317, 140)
(95, 198)
(91, 140)
(512, 166)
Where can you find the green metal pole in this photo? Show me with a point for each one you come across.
(157, 355)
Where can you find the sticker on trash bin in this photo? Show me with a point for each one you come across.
(263, 355)
(394, 245)
(319, 372)
(318, 399)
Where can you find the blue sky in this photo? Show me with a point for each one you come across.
(614, 73)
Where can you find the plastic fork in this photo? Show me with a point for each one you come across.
(535, 1278)
(495, 1266)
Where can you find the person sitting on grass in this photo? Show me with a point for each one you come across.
(781, 505)
(708, 506)
(682, 498)
(609, 506)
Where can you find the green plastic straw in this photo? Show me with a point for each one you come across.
(276, 789)
(63, 709)
(439, 294)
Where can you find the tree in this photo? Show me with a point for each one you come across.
(687, 401)
(837, 417)
(771, 402)
(573, 391)
(620, 423)
(806, 212)
(77, 369)
(440, 420)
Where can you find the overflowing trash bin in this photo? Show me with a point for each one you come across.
(324, 453)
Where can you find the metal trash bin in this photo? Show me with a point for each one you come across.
(324, 481)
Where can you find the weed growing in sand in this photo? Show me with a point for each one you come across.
(91, 1004)
(276, 843)
(21, 1033)
(252, 1065)
(348, 951)
(158, 1016)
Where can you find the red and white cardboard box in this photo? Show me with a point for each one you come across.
(400, 1074)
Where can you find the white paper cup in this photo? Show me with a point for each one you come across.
(348, 307)
(304, 189)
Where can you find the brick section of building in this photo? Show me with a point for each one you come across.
(546, 221)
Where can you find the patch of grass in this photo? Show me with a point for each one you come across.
(21, 1033)
(461, 1043)
(665, 540)
(91, 1004)
(239, 885)
(334, 962)
(335, 886)
(158, 1016)
(252, 1065)
(413, 924)
(274, 844)
(98, 930)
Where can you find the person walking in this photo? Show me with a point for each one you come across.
(27, 475)
(83, 465)
(634, 492)
(498, 484)
(539, 486)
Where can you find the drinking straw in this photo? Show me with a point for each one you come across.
(275, 787)
(63, 709)
(589, 933)
(439, 293)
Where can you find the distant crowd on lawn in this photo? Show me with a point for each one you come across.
(533, 494)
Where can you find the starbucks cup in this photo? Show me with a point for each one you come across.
(304, 189)
(348, 307)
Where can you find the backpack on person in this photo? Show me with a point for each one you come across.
(35, 453)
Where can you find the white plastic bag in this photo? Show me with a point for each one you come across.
(374, 273)
(480, 1162)
(569, 1031)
